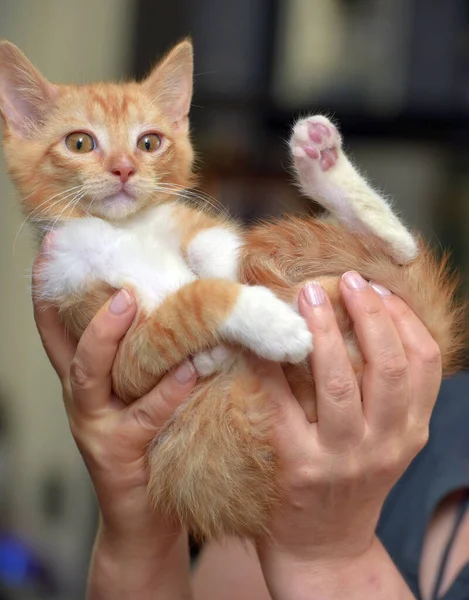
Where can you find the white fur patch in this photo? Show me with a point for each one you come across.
(214, 253)
(268, 326)
(142, 254)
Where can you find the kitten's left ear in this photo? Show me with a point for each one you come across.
(25, 95)
(170, 82)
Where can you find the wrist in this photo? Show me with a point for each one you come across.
(368, 573)
(143, 540)
(139, 566)
(128, 515)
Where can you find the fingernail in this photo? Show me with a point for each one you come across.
(354, 281)
(120, 303)
(185, 372)
(314, 294)
(380, 289)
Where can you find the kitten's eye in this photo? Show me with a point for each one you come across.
(150, 142)
(80, 142)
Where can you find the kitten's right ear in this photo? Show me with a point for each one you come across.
(25, 95)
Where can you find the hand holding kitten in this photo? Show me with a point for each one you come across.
(336, 473)
(133, 540)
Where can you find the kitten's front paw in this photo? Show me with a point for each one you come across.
(268, 327)
(315, 144)
(213, 360)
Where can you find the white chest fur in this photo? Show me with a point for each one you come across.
(143, 253)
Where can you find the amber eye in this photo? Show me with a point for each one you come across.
(150, 142)
(80, 142)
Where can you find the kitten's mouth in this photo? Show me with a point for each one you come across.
(117, 206)
(121, 198)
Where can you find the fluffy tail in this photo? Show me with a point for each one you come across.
(212, 467)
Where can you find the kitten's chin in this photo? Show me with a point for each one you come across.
(119, 206)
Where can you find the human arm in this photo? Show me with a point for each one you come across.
(230, 569)
(369, 576)
(137, 552)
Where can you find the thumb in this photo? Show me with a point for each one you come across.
(150, 413)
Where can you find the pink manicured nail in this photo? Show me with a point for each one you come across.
(354, 281)
(314, 294)
(185, 373)
(120, 303)
(380, 289)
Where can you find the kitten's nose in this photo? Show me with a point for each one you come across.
(123, 169)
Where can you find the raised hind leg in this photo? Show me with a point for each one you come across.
(326, 175)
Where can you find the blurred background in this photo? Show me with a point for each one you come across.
(393, 73)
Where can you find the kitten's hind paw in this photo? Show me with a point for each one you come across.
(211, 361)
(315, 144)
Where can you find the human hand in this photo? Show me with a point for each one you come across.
(113, 437)
(336, 473)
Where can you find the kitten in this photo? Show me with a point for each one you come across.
(107, 166)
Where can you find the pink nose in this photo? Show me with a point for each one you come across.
(123, 171)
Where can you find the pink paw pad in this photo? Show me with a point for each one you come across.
(318, 132)
(327, 157)
(325, 140)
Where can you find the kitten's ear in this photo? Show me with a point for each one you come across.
(25, 95)
(170, 82)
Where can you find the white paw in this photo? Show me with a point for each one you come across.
(315, 145)
(268, 327)
(214, 360)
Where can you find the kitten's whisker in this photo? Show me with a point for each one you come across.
(196, 194)
(191, 191)
(187, 194)
(60, 197)
(34, 215)
(39, 218)
(70, 204)
(50, 206)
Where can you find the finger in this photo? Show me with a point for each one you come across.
(275, 386)
(340, 415)
(90, 372)
(386, 377)
(289, 428)
(147, 415)
(422, 352)
(59, 346)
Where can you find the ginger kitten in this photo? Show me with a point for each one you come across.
(106, 166)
